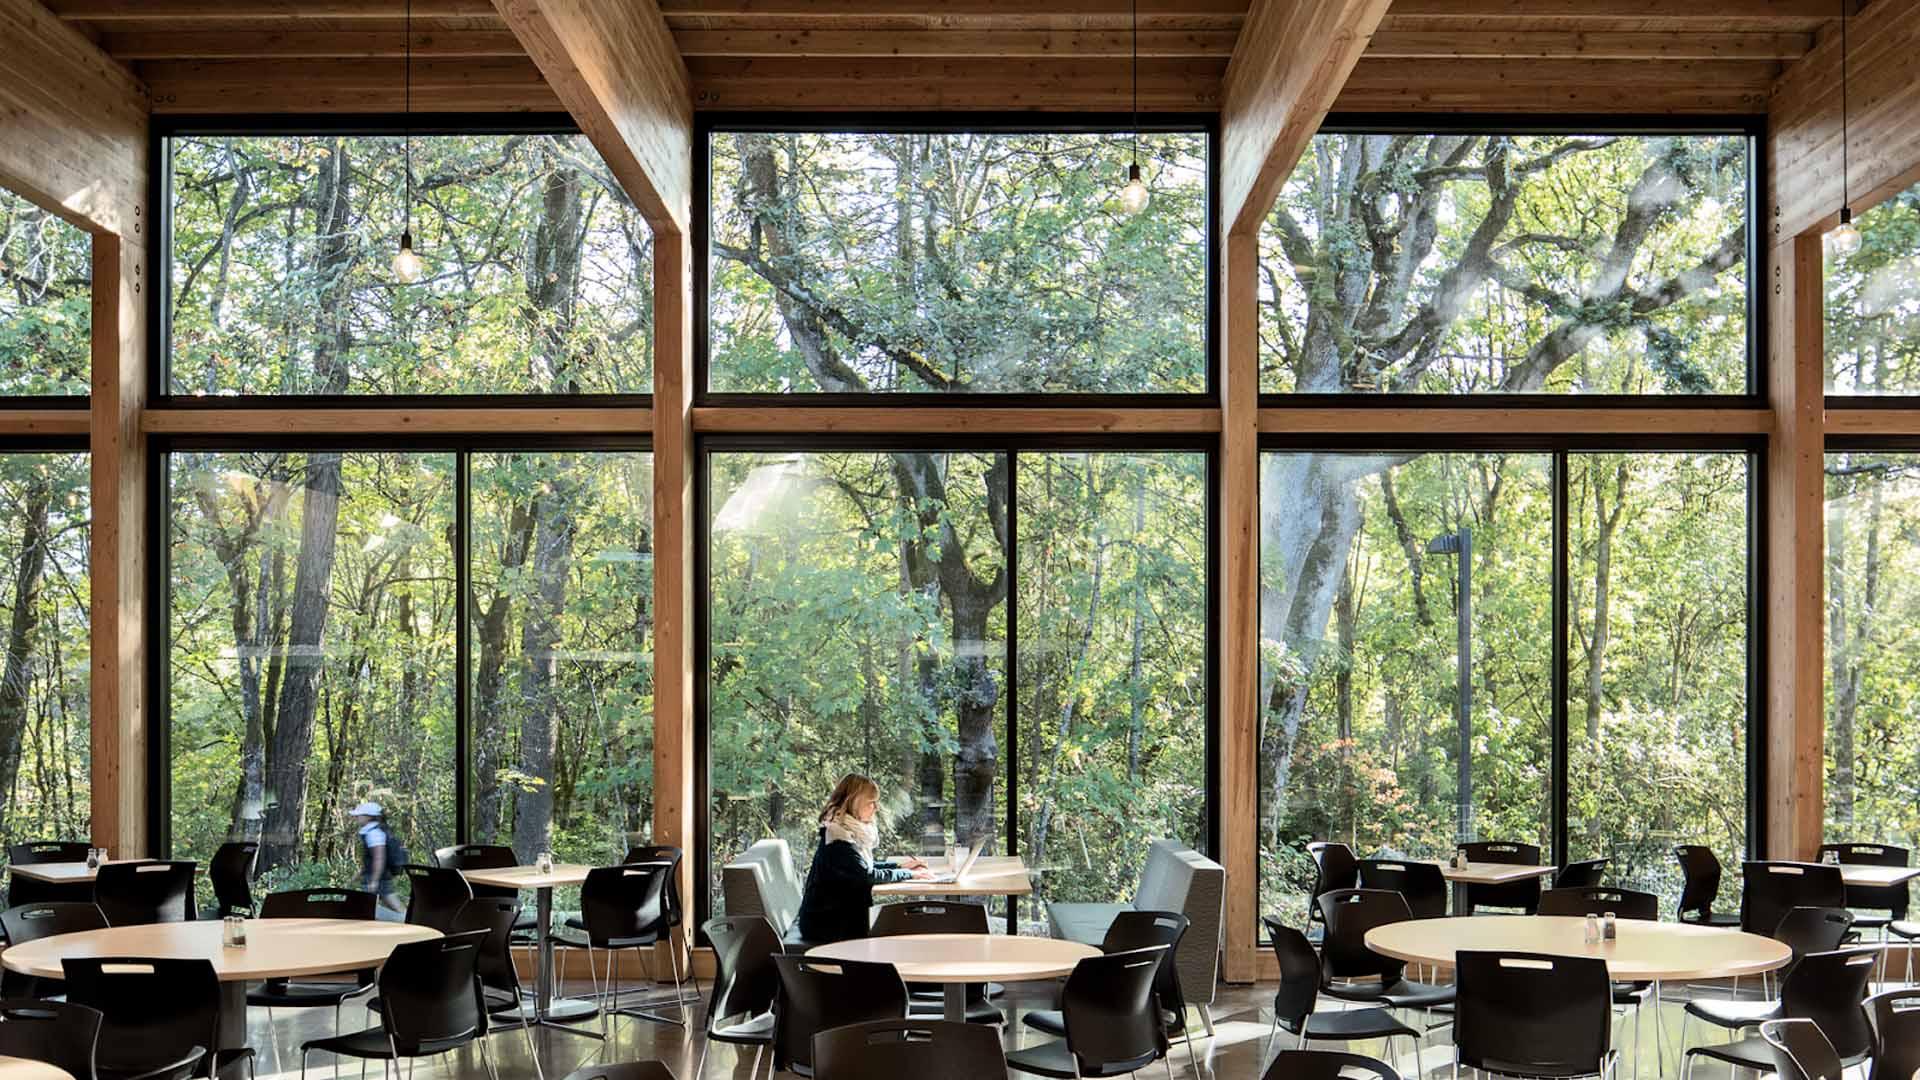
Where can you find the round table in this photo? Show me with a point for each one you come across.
(959, 960)
(19, 1068)
(275, 949)
(1643, 951)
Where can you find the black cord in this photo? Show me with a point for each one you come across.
(407, 122)
(1846, 189)
(1135, 11)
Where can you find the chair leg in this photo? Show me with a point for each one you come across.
(1206, 1019)
(488, 1058)
(1193, 1058)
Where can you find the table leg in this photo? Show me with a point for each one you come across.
(547, 1010)
(233, 1015)
(956, 1004)
(1460, 898)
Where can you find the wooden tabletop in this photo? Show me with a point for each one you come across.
(963, 958)
(19, 1068)
(1493, 873)
(62, 873)
(991, 875)
(530, 877)
(275, 949)
(1863, 874)
(1643, 950)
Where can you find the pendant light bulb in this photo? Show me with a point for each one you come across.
(1133, 197)
(1844, 241)
(407, 265)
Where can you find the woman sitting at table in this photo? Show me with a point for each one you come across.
(840, 882)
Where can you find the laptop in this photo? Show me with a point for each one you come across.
(966, 863)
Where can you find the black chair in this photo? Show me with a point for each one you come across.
(305, 994)
(1802, 931)
(1352, 969)
(1590, 900)
(672, 856)
(31, 922)
(922, 1049)
(1896, 1031)
(435, 895)
(1523, 895)
(938, 917)
(1531, 1014)
(1800, 1051)
(26, 890)
(624, 907)
(500, 991)
(430, 1002)
(1299, 991)
(1700, 873)
(1825, 987)
(1326, 1065)
(1132, 930)
(480, 857)
(158, 1017)
(623, 1070)
(1421, 884)
(1334, 867)
(1580, 875)
(1891, 899)
(61, 1034)
(745, 984)
(143, 893)
(1771, 889)
(816, 995)
(1113, 1023)
(231, 873)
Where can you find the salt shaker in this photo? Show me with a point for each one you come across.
(234, 935)
(1593, 928)
(93, 858)
(544, 862)
(1610, 929)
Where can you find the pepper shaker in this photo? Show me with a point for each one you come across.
(1611, 928)
(1593, 929)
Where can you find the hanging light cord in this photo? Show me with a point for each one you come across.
(407, 121)
(1846, 189)
(1135, 12)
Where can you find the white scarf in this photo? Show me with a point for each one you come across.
(863, 835)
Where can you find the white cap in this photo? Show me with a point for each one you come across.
(366, 809)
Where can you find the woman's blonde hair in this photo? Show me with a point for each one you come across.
(851, 786)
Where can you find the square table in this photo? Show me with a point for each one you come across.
(64, 873)
(991, 875)
(547, 1011)
(1487, 873)
(1864, 875)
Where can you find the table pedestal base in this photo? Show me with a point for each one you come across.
(955, 1007)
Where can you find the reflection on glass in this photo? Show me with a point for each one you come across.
(1361, 738)
(46, 302)
(311, 654)
(538, 271)
(1112, 665)
(857, 623)
(945, 262)
(1463, 263)
(562, 645)
(1873, 303)
(1657, 686)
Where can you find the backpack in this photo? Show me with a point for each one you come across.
(396, 851)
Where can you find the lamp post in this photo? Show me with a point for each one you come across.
(1461, 544)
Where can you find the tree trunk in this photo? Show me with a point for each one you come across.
(539, 678)
(1605, 523)
(490, 680)
(22, 629)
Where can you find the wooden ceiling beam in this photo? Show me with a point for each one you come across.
(507, 84)
(1051, 44)
(313, 44)
(1722, 14)
(883, 83)
(1584, 45)
(1285, 74)
(179, 11)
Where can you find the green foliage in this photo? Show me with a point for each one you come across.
(46, 302)
(1873, 303)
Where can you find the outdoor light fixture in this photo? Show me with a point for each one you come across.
(1133, 197)
(406, 264)
(1845, 240)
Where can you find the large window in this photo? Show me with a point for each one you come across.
(861, 605)
(1472, 261)
(956, 262)
(46, 302)
(45, 729)
(1409, 659)
(1873, 303)
(537, 277)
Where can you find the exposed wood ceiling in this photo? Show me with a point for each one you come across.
(1521, 55)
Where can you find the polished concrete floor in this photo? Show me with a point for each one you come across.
(1238, 1048)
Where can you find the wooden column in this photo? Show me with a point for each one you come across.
(674, 472)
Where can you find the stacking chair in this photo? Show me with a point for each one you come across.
(1334, 867)
(745, 984)
(31, 922)
(624, 907)
(938, 917)
(1524, 895)
(816, 995)
(26, 890)
(623, 1070)
(1896, 1032)
(1825, 987)
(231, 873)
(1113, 1022)
(61, 1034)
(1624, 904)
(1326, 1065)
(1580, 875)
(1421, 884)
(302, 994)
(1299, 991)
(1803, 931)
(159, 1018)
(1132, 930)
(142, 893)
(435, 895)
(1531, 1014)
(1800, 1051)
(500, 992)
(1352, 969)
(480, 857)
(1888, 901)
(921, 1049)
(672, 857)
(1700, 874)
(1771, 889)
(430, 1003)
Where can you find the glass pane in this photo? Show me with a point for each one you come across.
(1112, 652)
(1657, 680)
(857, 623)
(1873, 647)
(537, 280)
(45, 727)
(1361, 739)
(311, 657)
(1460, 263)
(1873, 303)
(562, 646)
(46, 302)
(956, 262)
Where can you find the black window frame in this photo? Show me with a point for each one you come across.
(709, 123)
(1752, 127)
(166, 128)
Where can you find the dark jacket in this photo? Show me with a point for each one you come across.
(840, 890)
